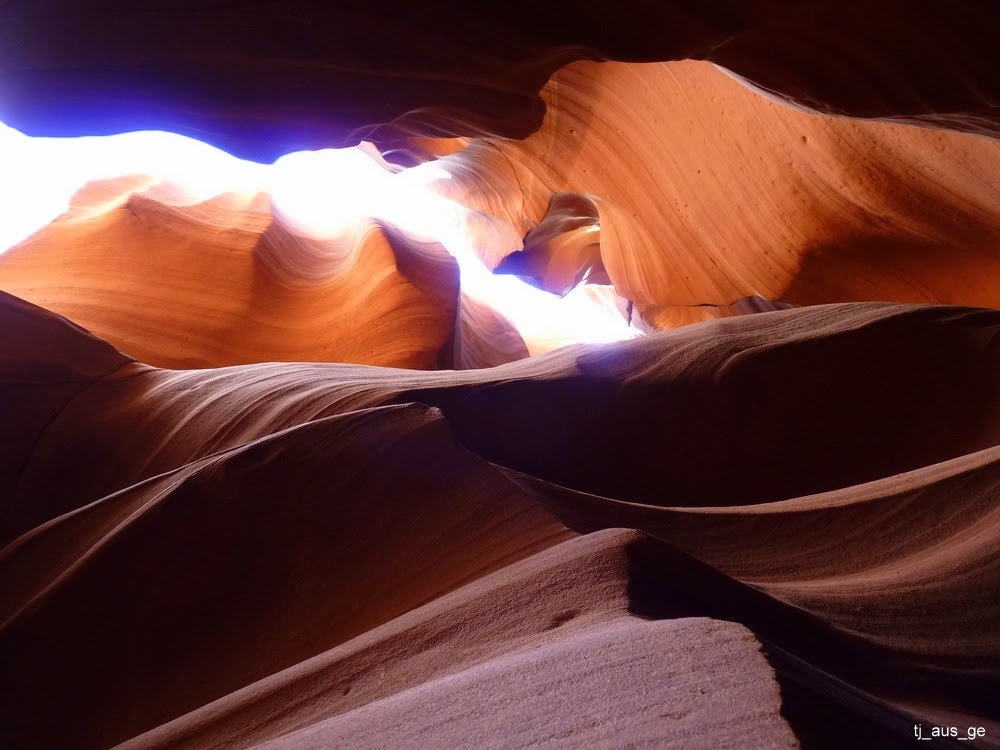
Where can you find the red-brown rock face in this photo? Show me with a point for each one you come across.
(713, 460)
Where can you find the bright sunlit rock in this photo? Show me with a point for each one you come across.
(320, 194)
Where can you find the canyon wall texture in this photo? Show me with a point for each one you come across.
(263, 78)
(251, 551)
(285, 464)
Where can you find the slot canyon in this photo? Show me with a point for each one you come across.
(464, 374)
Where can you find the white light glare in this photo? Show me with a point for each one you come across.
(320, 193)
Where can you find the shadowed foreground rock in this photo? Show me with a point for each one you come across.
(353, 550)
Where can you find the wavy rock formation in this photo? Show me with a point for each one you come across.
(308, 554)
(563, 249)
(706, 193)
(226, 281)
(285, 465)
(264, 78)
(672, 182)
